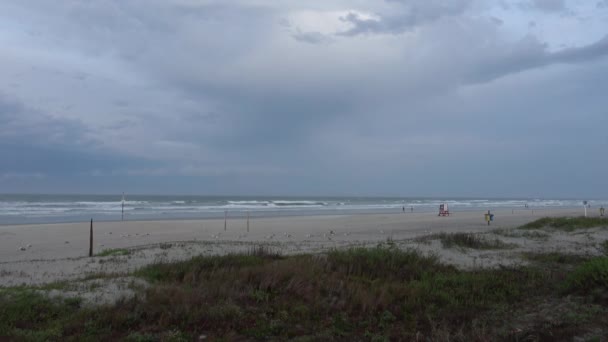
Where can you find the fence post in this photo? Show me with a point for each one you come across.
(91, 240)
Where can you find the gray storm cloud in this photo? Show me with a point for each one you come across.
(315, 98)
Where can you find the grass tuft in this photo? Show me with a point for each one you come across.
(114, 252)
(589, 277)
(604, 247)
(555, 258)
(470, 240)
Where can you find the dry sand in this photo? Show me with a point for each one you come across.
(57, 252)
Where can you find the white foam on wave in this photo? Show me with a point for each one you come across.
(63, 208)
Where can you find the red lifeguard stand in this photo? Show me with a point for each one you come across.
(443, 210)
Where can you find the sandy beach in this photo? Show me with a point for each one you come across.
(39, 254)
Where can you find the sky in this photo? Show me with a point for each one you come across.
(472, 98)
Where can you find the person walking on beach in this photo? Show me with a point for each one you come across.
(602, 211)
(403, 209)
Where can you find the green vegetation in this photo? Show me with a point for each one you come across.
(555, 258)
(114, 252)
(604, 247)
(28, 315)
(376, 294)
(515, 233)
(470, 240)
(567, 224)
(590, 277)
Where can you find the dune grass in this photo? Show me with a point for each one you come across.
(470, 240)
(114, 252)
(555, 258)
(589, 277)
(356, 294)
(567, 224)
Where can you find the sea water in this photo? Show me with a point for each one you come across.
(31, 208)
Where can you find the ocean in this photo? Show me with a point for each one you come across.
(25, 209)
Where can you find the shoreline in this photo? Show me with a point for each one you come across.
(268, 214)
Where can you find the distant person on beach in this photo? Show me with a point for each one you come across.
(412, 209)
(602, 211)
(403, 209)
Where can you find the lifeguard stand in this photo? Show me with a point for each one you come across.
(443, 210)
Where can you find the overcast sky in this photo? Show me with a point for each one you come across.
(316, 97)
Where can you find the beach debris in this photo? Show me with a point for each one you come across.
(331, 232)
(67, 242)
(202, 337)
(22, 248)
(308, 235)
(28, 246)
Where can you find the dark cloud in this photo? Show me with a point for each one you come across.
(20, 124)
(412, 13)
(227, 97)
(311, 37)
(530, 53)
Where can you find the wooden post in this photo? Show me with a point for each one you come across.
(247, 222)
(91, 240)
(225, 218)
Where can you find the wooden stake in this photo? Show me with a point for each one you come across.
(91, 240)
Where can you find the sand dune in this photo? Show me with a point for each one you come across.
(35, 254)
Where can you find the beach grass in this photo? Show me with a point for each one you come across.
(567, 224)
(352, 294)
(114, 252)
(555, 258)
(589, 277)
(470, 240)
(604, 247)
